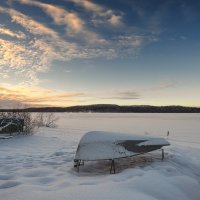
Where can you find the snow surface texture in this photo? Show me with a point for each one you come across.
(40, 167)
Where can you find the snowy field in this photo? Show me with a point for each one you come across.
(40, 167)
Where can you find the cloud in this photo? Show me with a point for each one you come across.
(163, 86)
(121, 95)
(37, 96)
(6, 31)
(36, 55)
(131, 40)
(126, 95)
(15, 57)
(27, 58)
(89, 5)
(102, 15)
(24, 60)
(11, 95)
(33, 49)
(115, 20)
(59, 15)
(74, 25)
(138, 93)
(131, 44)
(29, 24)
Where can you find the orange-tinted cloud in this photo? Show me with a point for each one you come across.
(6, 31)
(38, 96)
(102, 14)
(74, 25)
(27, 54)
(28, 58)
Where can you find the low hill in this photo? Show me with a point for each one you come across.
(112, 108)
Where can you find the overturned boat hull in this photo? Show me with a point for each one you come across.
(99, 145)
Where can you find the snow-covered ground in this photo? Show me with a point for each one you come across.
(40, 167)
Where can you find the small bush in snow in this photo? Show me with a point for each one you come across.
(27, 122)
(47, 119)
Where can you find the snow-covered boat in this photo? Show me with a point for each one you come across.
(99, 145)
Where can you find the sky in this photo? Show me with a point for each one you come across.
(80, 52)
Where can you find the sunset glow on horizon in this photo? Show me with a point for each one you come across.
(81, 52)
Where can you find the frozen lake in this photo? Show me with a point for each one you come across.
(40, 167)
(183, 128)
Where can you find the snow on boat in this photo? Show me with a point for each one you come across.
(99, 145)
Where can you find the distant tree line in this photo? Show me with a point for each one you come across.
(111, 108)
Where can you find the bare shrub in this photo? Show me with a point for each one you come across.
(47, 119)
(29, 122)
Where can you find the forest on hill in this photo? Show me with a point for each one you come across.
(111, 108)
